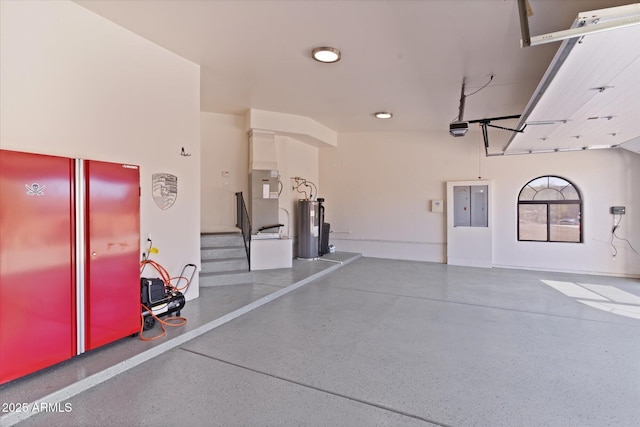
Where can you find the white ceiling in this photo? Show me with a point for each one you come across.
(408, 57)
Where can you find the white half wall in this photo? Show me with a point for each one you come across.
(77, 85)
(379, 187)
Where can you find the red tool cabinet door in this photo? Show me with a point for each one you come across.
(37, 283)
(112, 288)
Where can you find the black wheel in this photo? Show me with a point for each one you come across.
(149, 322)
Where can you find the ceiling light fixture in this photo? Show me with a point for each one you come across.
(326, 54)
(383, 115)
(546, 122)
(599, 146)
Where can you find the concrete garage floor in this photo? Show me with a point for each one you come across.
(383, 342)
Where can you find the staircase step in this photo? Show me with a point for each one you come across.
(225, 265)
(225, 278)
(224, 260)
(225, 239)
(210, 253)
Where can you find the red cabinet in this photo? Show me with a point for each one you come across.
(37, 270)
(112, 291)
(69, 274)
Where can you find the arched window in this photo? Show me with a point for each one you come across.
(550, 210)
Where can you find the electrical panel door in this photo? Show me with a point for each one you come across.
(37, 270)
(112, 289)
(479, 206)
(470, 206)
(461, 206)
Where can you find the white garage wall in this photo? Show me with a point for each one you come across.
(605, 178)
(298, 159)
(111, 95)
(379, 186)
(225, 148)
(76, 85)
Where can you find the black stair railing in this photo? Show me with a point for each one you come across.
(243, 223)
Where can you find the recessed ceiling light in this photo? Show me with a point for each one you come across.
(383, 115)
(326, 54)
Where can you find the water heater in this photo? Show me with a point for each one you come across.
(308, 228)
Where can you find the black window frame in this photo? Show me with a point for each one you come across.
(548, 204)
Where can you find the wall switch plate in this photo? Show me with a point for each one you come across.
(437, 206)
(617, 210)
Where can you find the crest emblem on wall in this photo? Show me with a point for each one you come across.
(165, 189)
